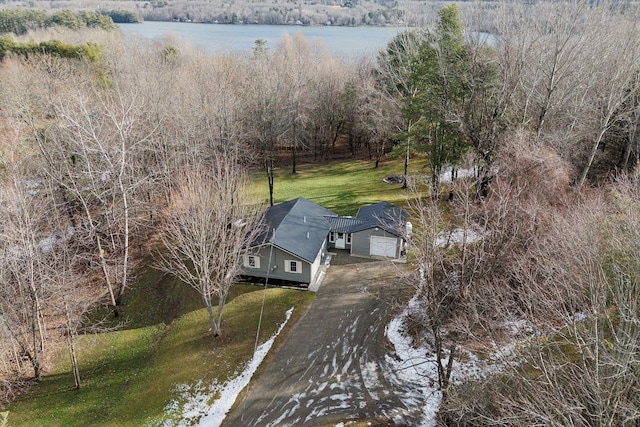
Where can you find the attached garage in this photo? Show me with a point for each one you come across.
(383, 246)
(378, 230)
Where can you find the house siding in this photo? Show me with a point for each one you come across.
(278, 259)
(361, 241)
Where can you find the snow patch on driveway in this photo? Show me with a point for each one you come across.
(197, 411)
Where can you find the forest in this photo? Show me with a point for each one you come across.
(268, 12)
(108, 156)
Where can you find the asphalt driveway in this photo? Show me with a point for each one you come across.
(331, 368)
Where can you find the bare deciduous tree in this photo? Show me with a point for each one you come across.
(91, 153)
(266, 114)
(23, 291)
(209, 226)
(467, 252)
(579, 287)
(575, 98)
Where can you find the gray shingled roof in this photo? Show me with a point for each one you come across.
(390, 218)
(343, 224)
(300, 226)
(297, 226)
(384, 215)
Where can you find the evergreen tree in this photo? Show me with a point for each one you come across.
(432, 67)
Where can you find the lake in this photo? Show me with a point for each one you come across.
(341, 41)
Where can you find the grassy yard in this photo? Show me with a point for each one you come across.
(132, 374)
(342, 187)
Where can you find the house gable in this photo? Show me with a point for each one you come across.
(297, 226)
(381, 215)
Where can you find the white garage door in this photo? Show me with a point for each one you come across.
(383, 246)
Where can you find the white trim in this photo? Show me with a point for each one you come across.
(252, 259)
(292, 266)
(349, 238)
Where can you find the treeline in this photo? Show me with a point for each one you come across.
(20, 21)
(530, 266)
(363, 13)
(90, 151)
(122, 16)
(57, 48)
(307, 12)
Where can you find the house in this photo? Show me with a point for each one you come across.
(298, 234)
(294, 242)
(378, 230)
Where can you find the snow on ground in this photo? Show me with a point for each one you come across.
(414, 371)
(445, 175)
(230, 391)
(198, 411)
(458, 236)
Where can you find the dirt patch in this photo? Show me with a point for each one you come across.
(394, 179)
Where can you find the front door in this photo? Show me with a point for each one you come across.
(340, 240)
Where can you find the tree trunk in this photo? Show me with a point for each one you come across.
(221, 301)
(33, 357)
(447, 374)
(335, 137)
(38, 315)
(453, 183)
(631, 139)
(125, 256)
(270, 178)
(592, 155)
(72, 346)
(74, 360)
(212, 319)
(293, 158)
(315, 143)
(406, 167)
(435, 185)
(103, 261)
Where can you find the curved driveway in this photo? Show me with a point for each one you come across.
(332, 366)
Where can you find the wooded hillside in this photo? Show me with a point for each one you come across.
(97, 154)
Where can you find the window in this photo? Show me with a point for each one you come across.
(291, 266)
(349, 239)
(332, 237)
(252, 261)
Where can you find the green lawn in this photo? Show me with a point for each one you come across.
(342, 187)
(130, 375)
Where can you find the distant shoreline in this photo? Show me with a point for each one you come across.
(275, 25)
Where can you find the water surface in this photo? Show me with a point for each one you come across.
(343, 41)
